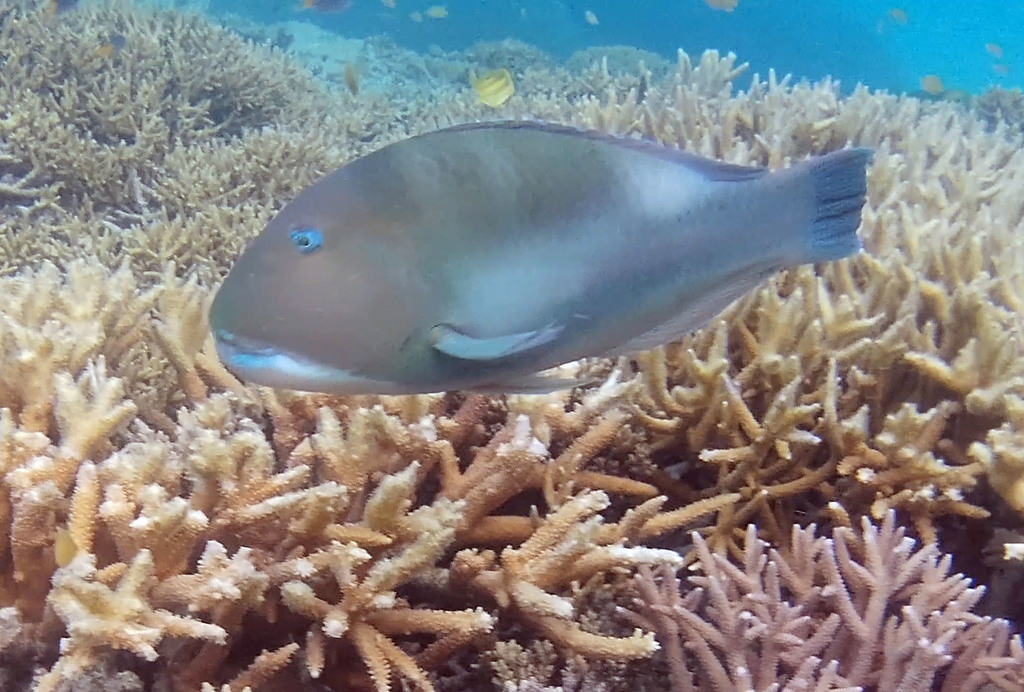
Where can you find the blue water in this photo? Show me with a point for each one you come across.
(853, 41)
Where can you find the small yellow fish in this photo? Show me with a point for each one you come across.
(591, 18)
(995, 50)
(493, 88)
(437, 11)
(416, 16)
(899, 16)
(932, 84)
(55, 7)
(326, 6)
(725, 5)
(64, 548)
(351, 78)
(111, 47)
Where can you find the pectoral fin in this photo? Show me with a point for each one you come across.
(453, 342)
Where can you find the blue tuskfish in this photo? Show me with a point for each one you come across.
(477, 256)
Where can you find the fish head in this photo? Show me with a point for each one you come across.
(325, 299)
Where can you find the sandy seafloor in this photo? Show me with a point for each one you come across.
(172, 529)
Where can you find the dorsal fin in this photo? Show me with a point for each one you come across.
(709, 168)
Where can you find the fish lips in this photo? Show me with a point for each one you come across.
(253, 361)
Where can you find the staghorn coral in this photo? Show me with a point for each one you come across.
(173, 148)
(862, 609)
(289, 521)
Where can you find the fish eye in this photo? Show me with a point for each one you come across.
(307, 240)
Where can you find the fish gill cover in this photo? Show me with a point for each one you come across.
(842, 442)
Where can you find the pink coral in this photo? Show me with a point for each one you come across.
(864, 609)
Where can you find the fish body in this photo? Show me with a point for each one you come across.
(476, 256)
(55, 7)
(725, 5)
(113, 46)
(493, 88)
(327, 6)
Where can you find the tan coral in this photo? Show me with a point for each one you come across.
(98, 617)
(564, 548)
(367, 611)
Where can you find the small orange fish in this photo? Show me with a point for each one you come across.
(899, 16)
(932, 84)
(995, 50)
(725, 5)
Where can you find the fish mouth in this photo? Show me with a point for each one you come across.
(235, 345)
(257, 362)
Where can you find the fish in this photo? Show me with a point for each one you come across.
(641, 89)
(326, 6)
(350, 75)
(494, 87)
(416, 16)
(112, 46)
(898, 15)
(437, 12)
(725, 5)
(932, 84)
(55, 7)
(590, 18)
(995, 50)
(478, 256)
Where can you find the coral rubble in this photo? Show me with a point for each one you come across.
(166, 527)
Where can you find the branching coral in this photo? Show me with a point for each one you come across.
(243, 535)
(862, 609)
(173, 148)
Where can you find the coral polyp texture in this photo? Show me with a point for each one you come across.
(166, 527)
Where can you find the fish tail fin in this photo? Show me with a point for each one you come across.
(840, 187)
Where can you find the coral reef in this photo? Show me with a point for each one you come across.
(860, 610)
(166, 527)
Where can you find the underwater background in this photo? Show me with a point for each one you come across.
(821, 490)
(884, 45)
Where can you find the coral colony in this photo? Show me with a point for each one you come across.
(783, 499)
